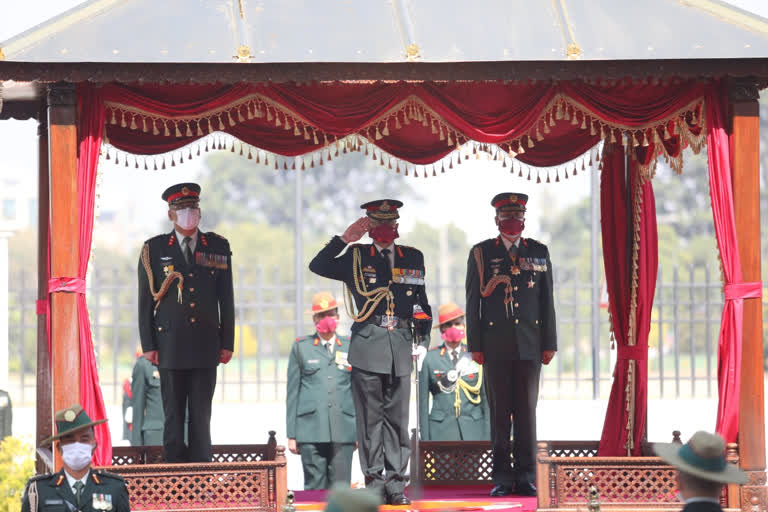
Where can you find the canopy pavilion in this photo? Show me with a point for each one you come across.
(416, 87)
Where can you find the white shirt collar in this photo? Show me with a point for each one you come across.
(71, 480)
(331, 341)
(182, 237)
(391, 254)
(509, 243)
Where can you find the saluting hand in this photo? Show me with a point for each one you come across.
(547, 356)
(356, 230)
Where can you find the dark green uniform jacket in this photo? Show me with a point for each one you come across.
(147, 402)
(441, 422)
(189, 334)
(55, 495)
(319, 397)
(525, 328)
(369, 350)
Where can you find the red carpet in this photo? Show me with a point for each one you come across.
(466, 498)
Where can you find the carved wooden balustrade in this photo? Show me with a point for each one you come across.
(239, 477)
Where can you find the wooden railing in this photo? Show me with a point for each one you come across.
(240, 477)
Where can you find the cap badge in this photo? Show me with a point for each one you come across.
(513, 198)
(323, 303)
(384, 207)
(185, 191)
(69, 415)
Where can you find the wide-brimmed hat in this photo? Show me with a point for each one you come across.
(703, 456)
(344, 499)
(322, 302)
(448, 312)
(70, 420)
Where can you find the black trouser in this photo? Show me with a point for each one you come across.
(326, 464)
(180, 389)
(513, 388)
(381, 416)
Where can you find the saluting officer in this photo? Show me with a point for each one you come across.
(186, 320)
(455, 382)
(320, 415)
(76, 486)
(147, 404)
(511, 327)
(386, 282)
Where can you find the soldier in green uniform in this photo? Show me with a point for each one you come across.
(186, 320)
(511, 331)
(76, 487)
(459, 407)
(147, 404)
(320, 415)
(6, 415)
(386, 283)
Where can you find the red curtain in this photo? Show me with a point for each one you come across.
(543, 123)
(720, 160)
(628, 218)
(90, 128)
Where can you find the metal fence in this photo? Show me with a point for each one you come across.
(682, 357)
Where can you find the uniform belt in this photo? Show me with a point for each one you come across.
(386, 321)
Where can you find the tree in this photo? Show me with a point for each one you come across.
(236, 190)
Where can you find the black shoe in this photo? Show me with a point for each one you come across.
(525, 489)
(398, 499)
(502, 490)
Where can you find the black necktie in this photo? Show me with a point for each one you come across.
(512, 252)
(454, 357)
(78, 491)
(188, 249)
(385, 253)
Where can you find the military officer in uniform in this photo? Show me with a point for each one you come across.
(456, 384)
(6, 415)
(386, 282)
(511, 329)
(320, 415)
(186, 320)
(147, 404)
(76, 486)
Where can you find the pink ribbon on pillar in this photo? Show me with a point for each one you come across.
(66, 284)
(734, 291)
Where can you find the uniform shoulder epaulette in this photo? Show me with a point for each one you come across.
(357, 246)
(342, 337)
(216, 236)
(303, 338)
(40, 477)
(533, 242)
(487, 242)
(435, 348)
(156, 237)
(107, 474)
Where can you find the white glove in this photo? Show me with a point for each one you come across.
(128, 415)
(419, 353)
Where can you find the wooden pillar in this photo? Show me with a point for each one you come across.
(62, 156)
(745, 119)
(44, 402)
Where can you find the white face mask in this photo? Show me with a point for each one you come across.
(77, 455)
(188, 218)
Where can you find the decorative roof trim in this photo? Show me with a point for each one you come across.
(524, 71)
(730, 14)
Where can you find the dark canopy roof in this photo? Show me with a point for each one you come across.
(389, 31)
